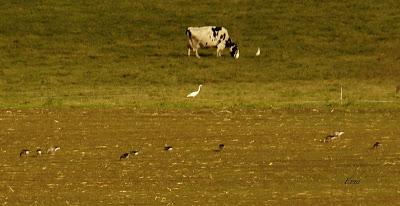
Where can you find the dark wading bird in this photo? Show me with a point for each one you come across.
(167, 148)
(126, 155)
(333, 136)
(38, 152)
(220, 148)
(24, 152)
(376, 145)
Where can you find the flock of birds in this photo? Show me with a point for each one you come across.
(328, 138)
(126, 155)
(39, 152)
(166, 148)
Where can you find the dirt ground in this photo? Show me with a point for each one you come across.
(270, 157)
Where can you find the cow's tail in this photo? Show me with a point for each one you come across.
(188, 33)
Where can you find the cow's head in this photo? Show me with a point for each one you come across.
(233, 48)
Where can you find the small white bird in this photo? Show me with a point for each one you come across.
(258, 52)
(194, 94)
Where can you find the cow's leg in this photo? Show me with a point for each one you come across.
(194, 45)
(189, 46)
(195, 48)
(197, 54)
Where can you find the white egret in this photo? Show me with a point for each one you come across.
(194, 94)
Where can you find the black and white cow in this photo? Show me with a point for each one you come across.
(210, 37)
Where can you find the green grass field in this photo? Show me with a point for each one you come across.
(100, 78)
(99, 54)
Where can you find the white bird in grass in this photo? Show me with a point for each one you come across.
(258, 52)
(194, 94)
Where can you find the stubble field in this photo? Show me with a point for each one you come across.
(270, 157)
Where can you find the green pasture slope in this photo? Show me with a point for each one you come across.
(133, 53)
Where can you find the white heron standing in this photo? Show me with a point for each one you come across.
(258, 52)
(194, 94)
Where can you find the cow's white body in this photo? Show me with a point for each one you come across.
(210, 37)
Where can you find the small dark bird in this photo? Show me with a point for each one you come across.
(167, 148)
(24, 152)
(220, 148)
(126, 155)
(38, 152)
(376, 145)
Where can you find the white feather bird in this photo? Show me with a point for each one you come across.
(258, 52)
(194, 94)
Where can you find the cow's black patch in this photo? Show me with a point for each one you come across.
(233, 51)
(188, 33)
(215, 30)
(233, 47)
(228, 43)
(223, 37)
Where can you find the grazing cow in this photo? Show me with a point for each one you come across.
(210, 37)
